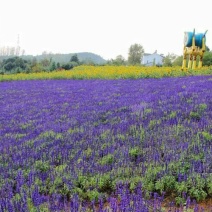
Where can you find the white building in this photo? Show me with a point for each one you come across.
(152, 59)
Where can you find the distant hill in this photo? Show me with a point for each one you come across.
(86, 57)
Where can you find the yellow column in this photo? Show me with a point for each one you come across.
(190, 61)
(203, 45)
(184, 62)
(200, 62)
(190, 64)
(194, 62)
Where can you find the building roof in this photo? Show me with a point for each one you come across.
(147, 54)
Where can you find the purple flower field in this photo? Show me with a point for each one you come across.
(105, 145)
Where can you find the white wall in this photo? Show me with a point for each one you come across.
(148, 60)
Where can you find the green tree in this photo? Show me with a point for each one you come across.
(33, 61)
(67, 66)
(169, 59)
(135, 54)
(74, 58)
(58, 65)
(14, 63)
(207, 59)
(36, 68)
(118, 61)
(9, 66)
(45, 62)
(53, 66)
(178, 61)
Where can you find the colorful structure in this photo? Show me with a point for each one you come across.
(194, 45)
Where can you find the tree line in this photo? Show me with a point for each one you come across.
(13, 65)
(136, 52)
(174, 60)
(18, 64)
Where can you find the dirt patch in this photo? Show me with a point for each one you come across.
(205, 206)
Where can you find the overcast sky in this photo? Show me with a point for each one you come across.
(103, 27)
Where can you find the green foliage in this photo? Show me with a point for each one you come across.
(42, 208)
(209, 185)
(154, 123)
(93, 195)
(9, 66)
(179, 167)
(107, 160)
(42, 166)
(37, 68)
(201, 107)
(196, 187)
(207, 59)
(67, 66)
(135, 54)
(75, 130)
(134, 181)
(74, 58)
(88, 152)
(48, 135)
(150, 178)
(207, 136)
(198, 194)
(53, 66)
(91, 187)
(84, 57)
(147, 111)
(60, 168)
(30, 205)
(173, 114)
(64, 190)
(44, 63)
(105, 183)
(181, 187)
(14, 64)
(168, 60)
(179, 201)
(166, 183)
(134, 153)
(105, 134)
(74, 64)
(178, 61)
(198, 112)
(118, 61)
(195, 115)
